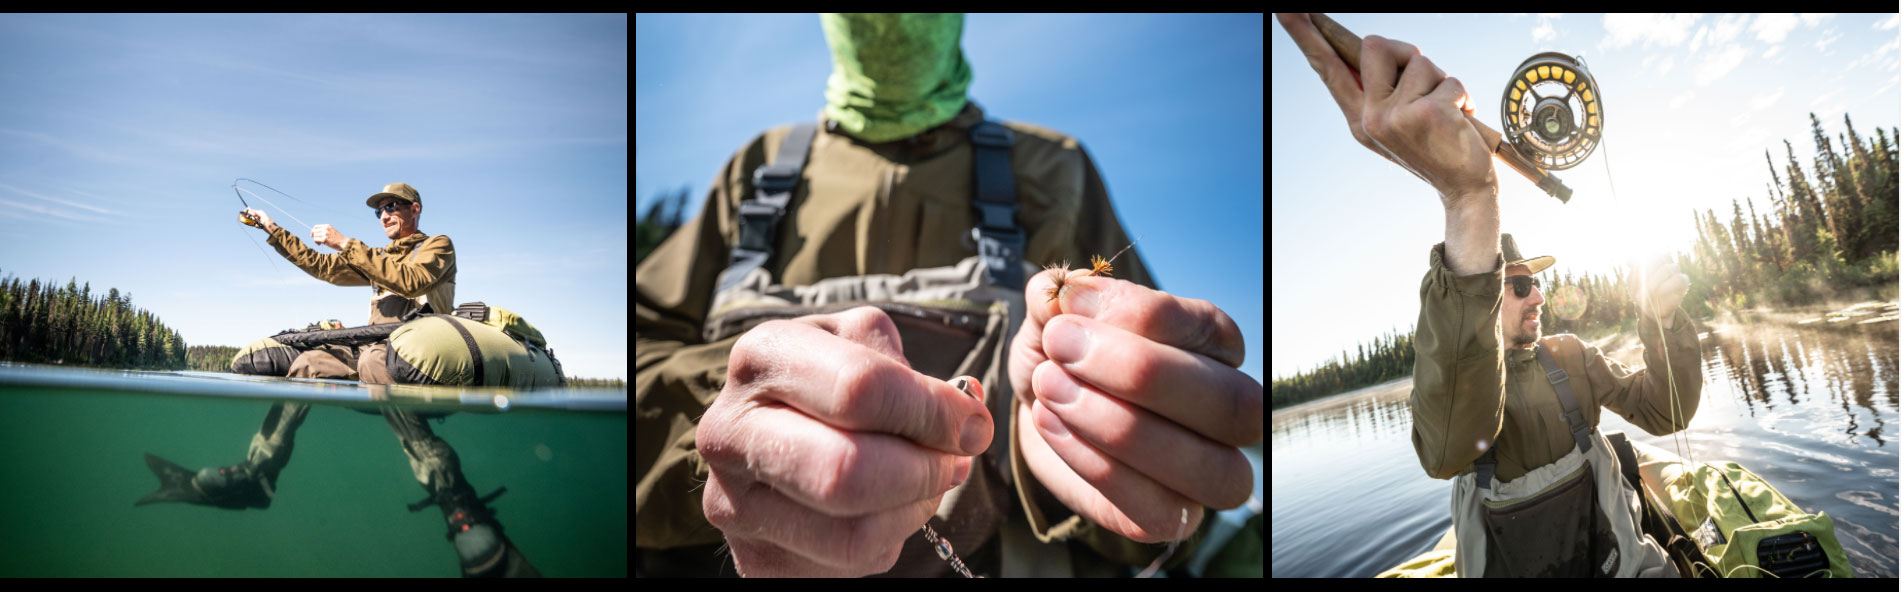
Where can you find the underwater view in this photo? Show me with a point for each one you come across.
(346, 505)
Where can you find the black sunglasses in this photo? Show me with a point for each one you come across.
(1522, 284)
(392, 206)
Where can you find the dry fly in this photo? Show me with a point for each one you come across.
(1059, 272)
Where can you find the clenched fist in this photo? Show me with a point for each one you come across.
(826, 450)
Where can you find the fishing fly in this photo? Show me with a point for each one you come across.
(1059, 272)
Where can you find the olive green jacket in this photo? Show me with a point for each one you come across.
(1470, 393)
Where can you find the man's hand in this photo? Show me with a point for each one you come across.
(826, 450)
(1130, 408)
(324, 234)
(263, 219)
(1658, 287)
(1403, 107)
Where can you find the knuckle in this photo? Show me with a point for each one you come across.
(845, 481)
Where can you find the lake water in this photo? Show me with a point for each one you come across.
(1807, 407)
(75, 442)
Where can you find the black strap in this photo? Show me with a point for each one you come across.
(475, 350)
(999, 239)
(759, 217)
(1561, 382)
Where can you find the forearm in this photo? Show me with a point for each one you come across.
(1472, 234)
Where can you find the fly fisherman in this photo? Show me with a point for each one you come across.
(1509, 415)
(413, 275)
(794, 340)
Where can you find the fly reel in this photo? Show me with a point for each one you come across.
(1551, 111)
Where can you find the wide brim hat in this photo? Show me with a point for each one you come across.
(1508, 246)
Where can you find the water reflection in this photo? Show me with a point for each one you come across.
(1852, 365)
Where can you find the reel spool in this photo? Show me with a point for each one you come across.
(1551, 111)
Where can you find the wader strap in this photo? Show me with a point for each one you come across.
(999, 240)
(1561, 382)
(772, 192)
(1487, 463)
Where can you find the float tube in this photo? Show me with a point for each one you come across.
(476, 345)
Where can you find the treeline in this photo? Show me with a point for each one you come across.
(1820, 233)
(578, 382)
(210, 358)
(1390, 356)
(44, 323)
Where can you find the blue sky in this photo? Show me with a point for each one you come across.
(1169, 106)
(1691, 104)
(121, 135)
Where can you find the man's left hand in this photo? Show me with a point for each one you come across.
(326, 235)
(1658, 286)
(1130, 408)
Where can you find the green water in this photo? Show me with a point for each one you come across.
(74, 464)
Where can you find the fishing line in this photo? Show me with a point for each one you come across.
(260, 248)
(1677, 428)
(1553, 114)
(280, 209)
(241, 191)
(1156, 565)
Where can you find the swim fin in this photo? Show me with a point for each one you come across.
(233, 488)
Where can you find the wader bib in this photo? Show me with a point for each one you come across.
(952, 321)
(1575, 517)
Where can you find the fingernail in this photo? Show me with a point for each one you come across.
(1084, 300)
(1059, 388)
(1066, 342)
(974, 435)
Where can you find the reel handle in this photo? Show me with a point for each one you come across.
(1347, 44)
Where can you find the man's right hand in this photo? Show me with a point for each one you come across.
(826, 450)
(1403, 107)
(263, 220)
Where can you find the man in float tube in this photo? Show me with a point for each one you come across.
(414, 274)
(1508, 414)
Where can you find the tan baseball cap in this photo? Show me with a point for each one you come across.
(397, 190)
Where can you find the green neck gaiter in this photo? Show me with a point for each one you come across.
(894, 75)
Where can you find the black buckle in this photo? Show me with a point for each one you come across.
(775, 178)
(756, 221)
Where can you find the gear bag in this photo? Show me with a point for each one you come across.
(1722, 520)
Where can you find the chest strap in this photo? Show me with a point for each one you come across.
(998, 237)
